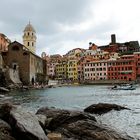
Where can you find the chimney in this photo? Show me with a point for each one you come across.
(113, 39)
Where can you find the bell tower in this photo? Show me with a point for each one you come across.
(29, 38)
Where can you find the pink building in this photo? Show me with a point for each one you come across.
(96, 70)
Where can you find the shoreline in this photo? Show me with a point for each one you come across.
(47, 123)
(92, 97)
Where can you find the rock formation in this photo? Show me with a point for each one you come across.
(102, 108)
(18, 124)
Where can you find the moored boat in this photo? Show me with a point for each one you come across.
(124, 87)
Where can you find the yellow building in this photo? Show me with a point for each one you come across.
(72, 71)
(29, 38)
(61, 70)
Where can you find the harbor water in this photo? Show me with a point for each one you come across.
(80, 97)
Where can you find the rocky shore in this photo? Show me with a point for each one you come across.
(16, 123)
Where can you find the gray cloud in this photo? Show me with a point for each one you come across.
(44, 14)
(47, 16)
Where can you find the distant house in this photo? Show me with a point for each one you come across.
(4, 42)
(121, 48)
(30, 66)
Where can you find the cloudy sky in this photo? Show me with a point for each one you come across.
(62, 25)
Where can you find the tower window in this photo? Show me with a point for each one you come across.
(28, 43)
(32, 34)
(28, 33)
(32, 43)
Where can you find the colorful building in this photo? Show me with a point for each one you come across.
(96, 53)
(123, 69)
(61, 70)
(52, 61)
(80, 70)
(77, 52)
(4, 42)
(96, 70)
(121, 48)
(72, 72)
(137, 57)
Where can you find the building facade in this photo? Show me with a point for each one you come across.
(29, 38)
(61, 70)
(123, 69)
(96, 70)
(121, 48)
(137, 57)
(4, 42)
(30, 66)
(72, 71)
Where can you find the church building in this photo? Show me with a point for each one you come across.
(24, 65)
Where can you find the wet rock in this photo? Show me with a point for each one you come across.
(25, 125)
(42, 120)
(5, 110)
(89, 130)
(3, 89)
(102, 108)
(78, 126)
(5, 131)
(54, 136)
(59, 117)
(2, 96)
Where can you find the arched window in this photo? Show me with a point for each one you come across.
(28, 33)
(28, 43)
(32, 43)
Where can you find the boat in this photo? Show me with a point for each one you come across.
(124, 87)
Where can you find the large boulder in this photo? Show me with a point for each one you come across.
(5, 131)
(3, 89)
(5, 109)
(102, 108)
(58, 117)
(89, 130)
(25, 125)
(78, 125)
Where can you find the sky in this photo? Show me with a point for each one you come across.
(62, 25)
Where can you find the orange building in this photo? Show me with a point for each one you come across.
(123, 69)
(4, 42)
(137, 57)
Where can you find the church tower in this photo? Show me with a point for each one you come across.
(29, 38)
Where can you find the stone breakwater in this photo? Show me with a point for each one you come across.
(52, 124)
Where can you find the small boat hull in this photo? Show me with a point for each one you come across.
(123, 87)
